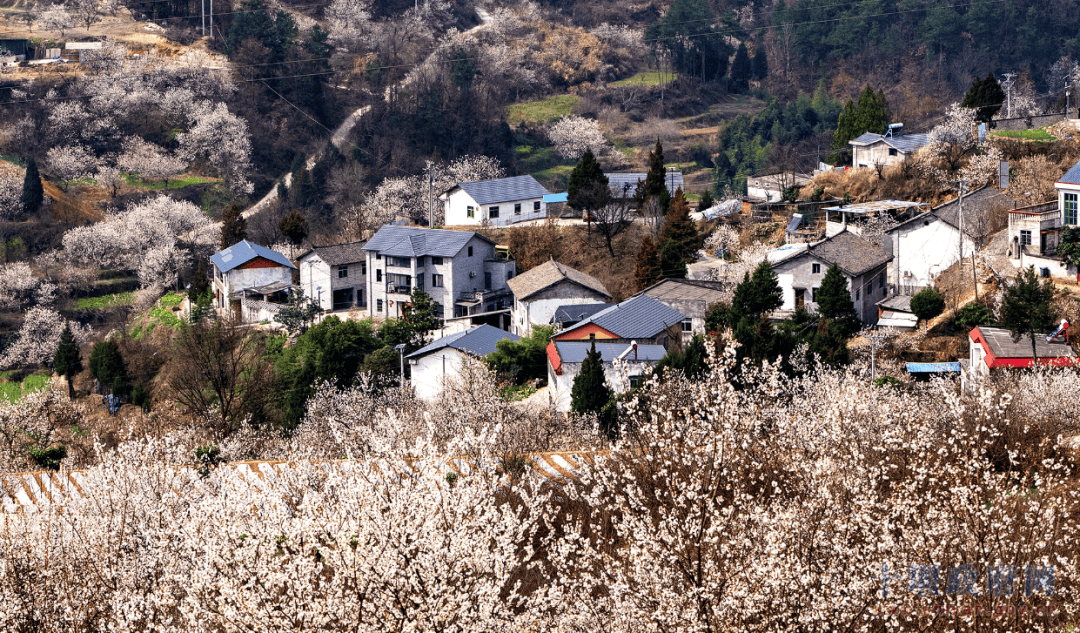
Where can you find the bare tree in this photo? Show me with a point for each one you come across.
(613, 218)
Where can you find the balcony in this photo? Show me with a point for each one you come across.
(398, 289)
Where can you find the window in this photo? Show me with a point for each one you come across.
(470, 251)
(493, 212)
(892, 151)
(592, 336)
(536, 206)
(815, 268)
(881, 280)
(439, 310)
(378, 275)
(378, 255)
(436, 281)
(436, 261)
(1070, 208)
(1025, 237)
(378, 305)
(470, 211)
(487, 281)
(363, 268)
(343, 271)
(517, 208)
(400, 262)
(813, 293)
(687, 325)
(856, 294)
(635, 382)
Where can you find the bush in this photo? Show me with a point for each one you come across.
(106, 363)
(927, 304)
(523, 360)
(48, 458)
(207, 457)
(972, 315)
(140, 397)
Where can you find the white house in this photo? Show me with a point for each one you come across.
(335, 277)
(499, 202)
(863, 265)
(869, 150)
(439, 364)
(462, 271)
(1035, 231)
(565, 358)
(247, 273)
(539, 292)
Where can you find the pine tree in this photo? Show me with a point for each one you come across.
(680, 229)
(834, 301)
(986, 95)
(233, 226)
(200, 285)
(590, 394)
(655, 185)
(106, 363)
(1028, 307)
(741, 71)
(672, 263)
(33, 193)
(587, 188)
(760, 64)
(759, 294)
(870, 114)
(294, 227)
(648, 271)
(67, 361)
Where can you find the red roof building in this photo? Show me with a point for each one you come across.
(993, 348)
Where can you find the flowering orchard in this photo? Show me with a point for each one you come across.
(817, 503)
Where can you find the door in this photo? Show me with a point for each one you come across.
(800, 298)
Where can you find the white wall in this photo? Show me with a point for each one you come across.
(455, 208)
(431, 372)
(617, 378)
(314, 272)
(921, 252)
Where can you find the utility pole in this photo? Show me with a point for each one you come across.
(1066, 99)
(1010, 78)
(203, 6)
(430, 202)
(874, 338)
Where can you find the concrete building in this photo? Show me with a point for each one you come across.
(690, 297)
(565, 358)
(869, 217)
(770, 187)
(540, 291)
(628, 182)
(870, 150)
(335, 277)
(496, 202)
(244, 266)
(994, 348)
(439, 364)
(863, 265)
(642, 319)
(1035, 231)
(461, 270)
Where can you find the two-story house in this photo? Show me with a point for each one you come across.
(1035, 231)
(335, 277)
(249, 269)
(863, 265)
(497, 202)
(539, 292)
(462, 271)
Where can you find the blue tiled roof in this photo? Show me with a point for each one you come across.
(575, 351)
(479, 341)
(243, 252)
(411, 241)
(639, 318)
(927, 368)
(577, 311)
(504, 189)
(1071, 177)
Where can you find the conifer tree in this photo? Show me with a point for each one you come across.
(870, 114)
(648, 271)
(672, 263)
(67, 361)
(986, 96)
(200, 284)
(590, 394)
(1028, 307)
(233, 226)
(757, 295)
(834, 301)
(655, 185)
(680, 229)
(33, 193)
(741, 71)
(760, 64)
(587, 188)
(927, 303)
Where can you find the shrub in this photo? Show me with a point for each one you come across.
(140, 397)
(48, 458)
(927, 304)
(972, 315)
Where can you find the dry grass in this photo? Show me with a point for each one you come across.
(68, 209)
(897, 182)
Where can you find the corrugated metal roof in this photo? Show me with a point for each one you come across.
(905, 143)
(877, 206)
(1071, 177)
(479, 341)
(337, 254)
(1002, 345)
(243, 252)
(937, 368)
(639, 318)
(900, 303)
(413, 241)
(504, 189)
(575, 351)
(673, 180)
(574, 312)
(548, 274)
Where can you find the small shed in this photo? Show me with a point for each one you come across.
(994, 348)
(895, 312)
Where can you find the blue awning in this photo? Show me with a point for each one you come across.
(555, 197)
(933, 368)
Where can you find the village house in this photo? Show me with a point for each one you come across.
(895, 312)
(690, 297)
(1035, 231)
(641, 320)
(439, 364)
(571, 314)
(335, 277)
(462, 271)
(620, 182)
(251, 280)
(540, 291)
(869, 218)
(991, 348)
(565, 359)
(498, 202)
(862, 264)
(770, 187)
(870, 150)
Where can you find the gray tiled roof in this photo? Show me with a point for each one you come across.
(504, 189)
(337, 254)
(673, 180)
(905, 143)
(1002, 345)
(575, 351)
(687, 290)
(1071, 177)
(243, 252)
(899, 303)
(853, 254)
(479, 341)
(574, 312)
(548, 274)
(411, 241)
(639, 318)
